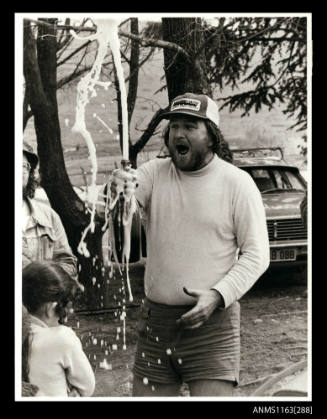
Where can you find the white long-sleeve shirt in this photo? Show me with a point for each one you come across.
(56, 358)
(195, 223)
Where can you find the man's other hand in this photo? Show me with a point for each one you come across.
(207, 302)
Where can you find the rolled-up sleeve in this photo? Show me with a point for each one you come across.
(252, 240)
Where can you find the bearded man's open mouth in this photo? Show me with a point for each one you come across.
(182, 148)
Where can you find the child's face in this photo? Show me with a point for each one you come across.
(52, 318)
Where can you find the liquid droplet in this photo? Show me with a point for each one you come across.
(105, 365)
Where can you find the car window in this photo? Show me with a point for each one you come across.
(294, 180)
(262, 179)
(270, 179)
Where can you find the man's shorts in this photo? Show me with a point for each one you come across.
(169, 354)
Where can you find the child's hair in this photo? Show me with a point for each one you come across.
(44, 282)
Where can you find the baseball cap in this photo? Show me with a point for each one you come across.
(31, 156)
(198, 105)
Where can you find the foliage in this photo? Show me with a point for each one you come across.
(304, 148)
(267, 53)
(152, 30)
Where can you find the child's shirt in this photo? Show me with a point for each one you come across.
(57, 360)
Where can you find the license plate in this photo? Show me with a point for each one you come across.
(277, 255)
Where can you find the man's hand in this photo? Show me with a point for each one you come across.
(123, 181)
(207, 302)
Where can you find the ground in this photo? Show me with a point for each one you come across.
(273, 334)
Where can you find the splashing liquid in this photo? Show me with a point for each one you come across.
(85, 90)
(107, 34)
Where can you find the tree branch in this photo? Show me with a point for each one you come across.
(67, 27)
(71, 77)
(140, 64)
(64, 39)
(73, 53)
(220, 29)
(142, 141)
(146, 42)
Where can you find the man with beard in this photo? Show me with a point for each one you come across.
(43, 235)
(207, 244)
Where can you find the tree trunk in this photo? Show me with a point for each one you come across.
(26, 113)
(134, 70)
(40, 76)
(185, 75)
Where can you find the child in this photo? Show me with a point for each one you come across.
(52, 354)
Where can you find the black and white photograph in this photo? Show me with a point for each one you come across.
(163, 236)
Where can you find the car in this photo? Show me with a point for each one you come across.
(282, 188)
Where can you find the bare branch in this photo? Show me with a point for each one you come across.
(61, 40)
(73, 53)
(72, 76)
(67, 27)
(125, 58)
(148, 42)
(143, 140)
(140, 64)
